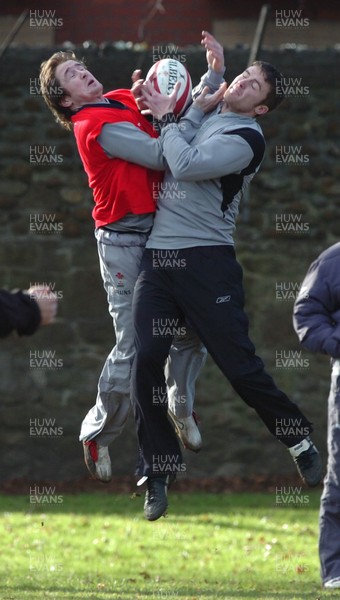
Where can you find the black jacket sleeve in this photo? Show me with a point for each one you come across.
(18, 311)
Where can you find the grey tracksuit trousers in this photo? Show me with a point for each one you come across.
(119, 257)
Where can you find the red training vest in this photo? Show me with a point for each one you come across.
(119, 187)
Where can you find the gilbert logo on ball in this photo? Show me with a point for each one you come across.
(164, 74)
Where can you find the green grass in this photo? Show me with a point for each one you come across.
(226, 546)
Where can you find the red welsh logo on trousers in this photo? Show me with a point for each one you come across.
(120, 278)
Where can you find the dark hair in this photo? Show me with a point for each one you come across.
(51, 89)
(274, 78)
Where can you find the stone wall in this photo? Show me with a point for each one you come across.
(47, 236)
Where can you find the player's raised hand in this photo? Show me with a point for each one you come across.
(207, 101)
(158, 104)
(136, 88)
(215, 53)
(136, 75)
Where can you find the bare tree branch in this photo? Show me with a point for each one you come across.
(157, 7)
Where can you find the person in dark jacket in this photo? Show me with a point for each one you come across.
(317, 323)
(25, 311)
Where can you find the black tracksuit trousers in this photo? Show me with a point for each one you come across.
(203, 286)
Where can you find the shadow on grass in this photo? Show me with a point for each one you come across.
(50, 500)
(20, 591)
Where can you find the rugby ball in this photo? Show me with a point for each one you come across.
(164, 75)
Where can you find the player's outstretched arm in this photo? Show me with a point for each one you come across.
(25, 311)
(215, 52)
(215, 60)
(47, 302)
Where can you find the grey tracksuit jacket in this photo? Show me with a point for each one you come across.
(204, 183)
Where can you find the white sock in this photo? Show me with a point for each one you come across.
(300, 447)
(142, 480)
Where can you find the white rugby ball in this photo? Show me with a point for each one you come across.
(164, 75)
